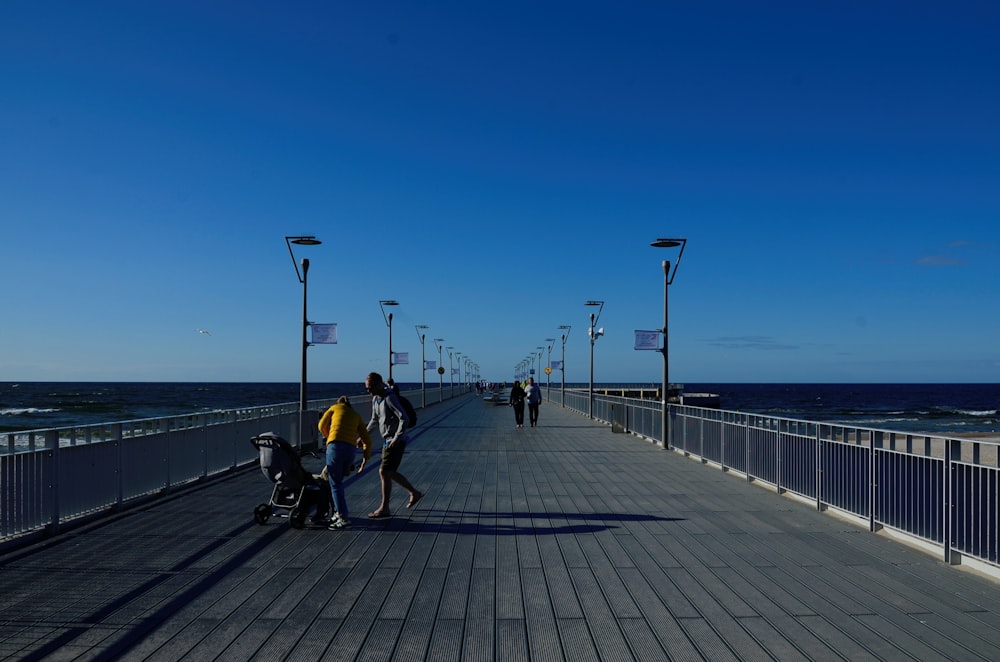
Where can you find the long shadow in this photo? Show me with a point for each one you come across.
(463, 523)
(138, 631)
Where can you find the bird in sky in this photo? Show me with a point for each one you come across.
(204, 331)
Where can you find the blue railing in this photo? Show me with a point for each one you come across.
(943, 491)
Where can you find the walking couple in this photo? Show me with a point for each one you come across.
(345, 430)
(532, 394)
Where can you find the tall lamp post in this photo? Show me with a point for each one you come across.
(451, 370)
(538, 379)
(388, 322)
(440, 371)
(423, 364)
(548, 369)
(594, 335)
(562, 366)
(668, 278)
(302, 240)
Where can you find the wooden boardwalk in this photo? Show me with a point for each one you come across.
(562, 542)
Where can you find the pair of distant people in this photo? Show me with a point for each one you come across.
(530, 394)
(344, 431)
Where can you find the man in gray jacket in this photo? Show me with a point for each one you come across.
(389, 416)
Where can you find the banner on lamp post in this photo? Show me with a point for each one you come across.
(557, 365)
(401, 358)
(430, 365)
(647, 339)
(324, 334)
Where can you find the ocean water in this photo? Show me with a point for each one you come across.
(927, 408)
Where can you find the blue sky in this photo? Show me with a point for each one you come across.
(834, 166)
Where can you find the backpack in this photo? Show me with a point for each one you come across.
(411, 413)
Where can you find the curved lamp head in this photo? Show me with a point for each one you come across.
(300, 240)
(670, 243)
(600, 308)
(387, 302)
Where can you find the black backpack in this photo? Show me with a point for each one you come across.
(411, 413)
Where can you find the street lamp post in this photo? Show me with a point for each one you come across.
(423, 364)
(538, 378)
(594, 335)
(440, 370)
(388, 322)
(562, 366)
(548, 370)
(302, 240)
(451, 370)
(668, 278)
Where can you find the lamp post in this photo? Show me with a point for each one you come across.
(440, 370)
(593, 339)
(451, 370)
(538, 378)
(388, 322)
(668, 278)
(302, 240)
(458, 360)
(423, 364)
(548, 369)
(562, 366)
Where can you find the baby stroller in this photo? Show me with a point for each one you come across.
(295, 489)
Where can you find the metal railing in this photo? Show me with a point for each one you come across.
(943, 491)
(56, 476)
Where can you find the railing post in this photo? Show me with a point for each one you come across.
(746, 446)
(952, 451)
(116, 436)
(872, 491)
(819, 471)
(52, 441)
(778, 465)
(722, 444)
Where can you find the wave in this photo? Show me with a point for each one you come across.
(21, 411)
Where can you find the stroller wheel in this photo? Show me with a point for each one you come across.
(262, 513)
(297, 518)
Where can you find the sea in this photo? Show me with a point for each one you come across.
(939, 409)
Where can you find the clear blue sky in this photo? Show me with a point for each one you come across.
(835, 167)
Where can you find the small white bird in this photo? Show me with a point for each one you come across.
(205, 331)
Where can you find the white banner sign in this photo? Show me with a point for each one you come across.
(557, 365)
(454, 371)
(401, 358)
(647, 339)
(430, 365)
(324, 334)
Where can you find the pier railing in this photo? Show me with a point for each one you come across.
(942, 492)
(54, 477)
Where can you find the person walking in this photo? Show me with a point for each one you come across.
(517, 402)
(390, 417)
(533, 392)
(344, 430)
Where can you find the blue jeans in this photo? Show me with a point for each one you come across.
(339, 460)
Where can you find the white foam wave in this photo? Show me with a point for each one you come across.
(20, 411)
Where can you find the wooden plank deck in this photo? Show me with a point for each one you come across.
(562, 542)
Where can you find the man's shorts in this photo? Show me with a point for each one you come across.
(392, 456)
